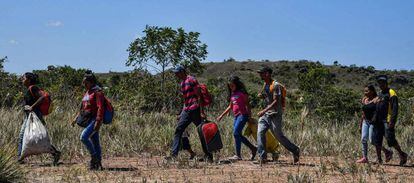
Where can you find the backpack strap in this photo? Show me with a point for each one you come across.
(30, 90)
(270, 87)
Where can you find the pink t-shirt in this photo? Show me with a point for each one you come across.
(238, 99)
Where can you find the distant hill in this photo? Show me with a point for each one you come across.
(352, 77)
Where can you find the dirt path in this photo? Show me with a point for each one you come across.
(151, 169)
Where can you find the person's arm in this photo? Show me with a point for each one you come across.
(363, 114)
(101, 108)
(225, 112)
(394, 109)
(36, 93)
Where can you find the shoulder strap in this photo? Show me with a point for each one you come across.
(30, 89)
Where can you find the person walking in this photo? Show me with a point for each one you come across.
(371, 125)
(32, 100)
(271, 116)
(239, 104)
(389, 104)
(91, 117)
(192, 111)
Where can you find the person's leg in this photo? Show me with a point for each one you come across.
(53, 150)
(276, 125)
(21, 135)
(364, 139)
(179, 130)
(388, 152)
(392, 142)
(262, 128)
(98, 151)
(377, 139)
(237, 134)
(86, 136)
(244, 140)
(185, 142)
(186, 145)
(195, 117)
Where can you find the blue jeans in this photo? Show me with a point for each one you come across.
(274, 123)
(239, 123)
(90, 138)
(366, 134)
(186, 118)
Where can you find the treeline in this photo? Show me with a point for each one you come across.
(315, 86)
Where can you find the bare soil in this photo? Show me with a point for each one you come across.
(156, 169)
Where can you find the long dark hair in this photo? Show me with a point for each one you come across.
(371, 88)
(239, 86)
(32, 77)
(90, 77)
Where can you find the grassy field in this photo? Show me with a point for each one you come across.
(135, 142)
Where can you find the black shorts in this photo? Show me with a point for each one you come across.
(377, 134)
(390, 136)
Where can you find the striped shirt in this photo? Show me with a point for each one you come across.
(189, 88)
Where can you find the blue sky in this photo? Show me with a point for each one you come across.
(95, 34)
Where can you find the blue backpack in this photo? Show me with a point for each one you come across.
(109, 112)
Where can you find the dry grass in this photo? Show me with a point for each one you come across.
(140, 139)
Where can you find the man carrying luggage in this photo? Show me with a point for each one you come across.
(191, 112)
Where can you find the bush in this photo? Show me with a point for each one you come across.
(323, 98)
(10, 171)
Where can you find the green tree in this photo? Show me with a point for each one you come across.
(325, 99)
(2, 60)
(167, 47)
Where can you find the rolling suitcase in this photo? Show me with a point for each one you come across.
(210, 137)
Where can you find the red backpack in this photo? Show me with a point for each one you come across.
(46, 105)
(206, 98)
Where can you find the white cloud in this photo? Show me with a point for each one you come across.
(13, 42)
(55, 23)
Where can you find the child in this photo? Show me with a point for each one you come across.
(239, 104)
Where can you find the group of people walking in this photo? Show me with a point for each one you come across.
(379, 117)
(270, 118)
(90, 114)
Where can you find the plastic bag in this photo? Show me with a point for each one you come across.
(35, 138)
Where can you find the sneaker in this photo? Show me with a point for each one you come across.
(388, 156)
(260, 162)
(362, 160)
(403, 159)
(93, 164)
(56, 158)
(296, 157)
(99, 165)
(21, 161)
(235, 158)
